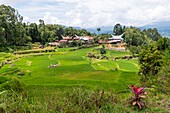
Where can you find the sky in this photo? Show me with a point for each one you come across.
(92, 13)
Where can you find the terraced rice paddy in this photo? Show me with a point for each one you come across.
(74, 69)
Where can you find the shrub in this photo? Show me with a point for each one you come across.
(150, 62)
(134, 50)
(139, 95)
(163, 79)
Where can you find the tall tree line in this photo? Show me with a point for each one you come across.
(14, 32)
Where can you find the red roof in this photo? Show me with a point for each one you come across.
(66, 38)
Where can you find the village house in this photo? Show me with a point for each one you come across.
(116, 43)
(64, 40)
(84, 39)
(113, 43)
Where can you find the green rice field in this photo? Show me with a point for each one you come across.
(74, 69)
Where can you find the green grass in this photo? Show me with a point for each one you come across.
(66, 49)
(117, 53)
(74, 69)
(123, 65)
(127, 65)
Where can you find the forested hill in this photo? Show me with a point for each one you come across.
(163, 27)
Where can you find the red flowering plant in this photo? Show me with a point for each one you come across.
(139, 95)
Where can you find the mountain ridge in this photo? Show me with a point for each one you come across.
(162, 26)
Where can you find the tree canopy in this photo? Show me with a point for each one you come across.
(118, 30)
(13, 32)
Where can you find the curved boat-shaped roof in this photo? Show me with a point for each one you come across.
(119, 37)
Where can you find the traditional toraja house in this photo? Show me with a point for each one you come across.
(116, 43)
(56, 43)
(113, 43)
(64, 40)
(84, 39)
(69, 39)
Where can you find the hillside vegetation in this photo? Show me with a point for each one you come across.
(75, 78)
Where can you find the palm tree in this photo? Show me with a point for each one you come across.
(98, 29)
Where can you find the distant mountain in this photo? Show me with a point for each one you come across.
(78, 28)
(104, 29)
(163, 27)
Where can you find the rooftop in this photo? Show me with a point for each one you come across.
(119, 37)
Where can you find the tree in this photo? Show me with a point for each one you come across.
(32, 31)
(134, 49)
(153, 34)
(163, 78)
(117, 30)
(98, 30)
(15, 33)
(133, 37)
(42, 23)
(44, 33)
(70, 31)
(20, 33)
(12, 31)
(102, 50)
(163, 43)
(150, 61)
(59, 32)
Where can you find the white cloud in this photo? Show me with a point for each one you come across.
(9, 2)
(26, 18)
(93, 13)
(109, 12)
(48, 18)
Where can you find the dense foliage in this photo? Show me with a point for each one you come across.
(154, 64)
(13, 32)
(118, 29)
(150, 60)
